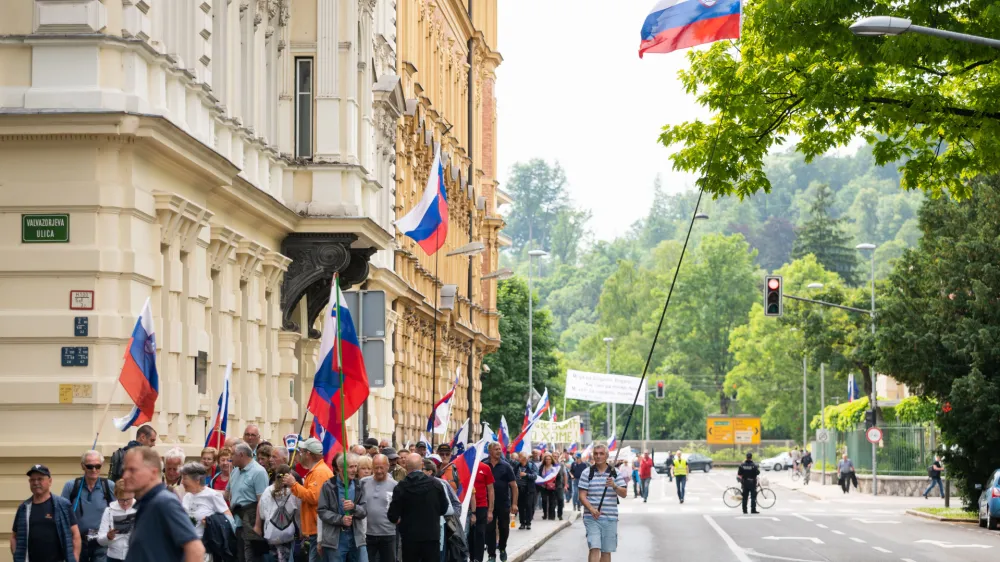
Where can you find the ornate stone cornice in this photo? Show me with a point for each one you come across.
(223, 241)
(248, 256)
(275, 266)
(180, 220)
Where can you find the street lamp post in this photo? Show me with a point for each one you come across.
(611, 410)
(874, 398)
(531, 324)
(890, 25)
(805, 434)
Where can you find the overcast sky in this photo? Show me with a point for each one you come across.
(572, 88)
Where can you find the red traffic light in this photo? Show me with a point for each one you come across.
(659, 384)
(773, 284)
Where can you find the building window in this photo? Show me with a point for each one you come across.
(201, 372)
(303, 107)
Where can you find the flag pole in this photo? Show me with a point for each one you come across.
(340, 367)
(437, 254)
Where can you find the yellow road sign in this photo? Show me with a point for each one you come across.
(723, 430)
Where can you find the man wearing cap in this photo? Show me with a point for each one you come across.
(397, 471)
(422, 449)
(44, 525)
(371, 447)
(446, 470)
(311, 456)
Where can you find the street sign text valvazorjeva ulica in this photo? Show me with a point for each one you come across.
(50, 228)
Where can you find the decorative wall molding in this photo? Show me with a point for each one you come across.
(69, 16)
(180, 220)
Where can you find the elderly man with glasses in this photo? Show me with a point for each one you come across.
(90, 495)
(251, 436)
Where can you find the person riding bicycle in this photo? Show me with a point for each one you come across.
(747, 475)
(796, 459)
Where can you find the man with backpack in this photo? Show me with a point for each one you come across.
(145, 436)
(600, 518)
(89, 496)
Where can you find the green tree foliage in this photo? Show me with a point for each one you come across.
(939, 324)
(568, 233)
(539, 193)
(505, 387)
(715, 291)
(823, 236)
(800, 73)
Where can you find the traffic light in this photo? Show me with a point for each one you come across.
(659, 389)
(869, 419)
(773, 286)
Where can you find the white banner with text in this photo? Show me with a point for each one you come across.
(602, 387)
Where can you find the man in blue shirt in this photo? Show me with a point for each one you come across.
(576, 470)
(247, 483)
(90, 495)
(163, 532)
(504, 503)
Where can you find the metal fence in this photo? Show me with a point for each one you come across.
(905, 450)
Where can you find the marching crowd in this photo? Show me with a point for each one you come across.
(251, 501)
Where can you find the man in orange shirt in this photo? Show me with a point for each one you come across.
(311, 457)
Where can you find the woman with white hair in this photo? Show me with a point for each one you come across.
(172, 462)
(201, 502)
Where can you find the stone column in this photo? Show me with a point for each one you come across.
(288, 406)
(326, 81)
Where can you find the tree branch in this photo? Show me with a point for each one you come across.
(785, 113)
(929, 70)
(959, 111)
(975, 65)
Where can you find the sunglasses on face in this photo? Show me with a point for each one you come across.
(92, 466)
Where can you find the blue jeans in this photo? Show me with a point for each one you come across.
(681, 484)
(934, 481)
(645, 488)
(348, 551)
(575, 492)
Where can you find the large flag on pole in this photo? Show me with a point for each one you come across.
(466, 465)
(217, 434)
(441, 414)
(503, 436)
(543, 406)
(330, 402)
(427, 222)
(330, 444)
(139, 376)
(679, 24)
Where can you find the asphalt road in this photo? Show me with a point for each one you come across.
(797, 529)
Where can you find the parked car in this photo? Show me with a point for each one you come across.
(778, 463)
(695, 462)
(989, 502)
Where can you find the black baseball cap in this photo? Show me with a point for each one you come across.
(390, 453)
(40, 469)
(371, 442)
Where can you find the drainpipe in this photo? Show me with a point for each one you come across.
(472, 376)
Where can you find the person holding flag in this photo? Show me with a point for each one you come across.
(310, 455)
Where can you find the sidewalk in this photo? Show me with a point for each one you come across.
(523, 544)
(833, 493)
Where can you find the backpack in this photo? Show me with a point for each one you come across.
(283, 523)
(612, 473)
(117, 466)
(109, 496)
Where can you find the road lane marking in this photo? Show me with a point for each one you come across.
(880, 549)
(816, 540)
(756, 554)
(856, 539)
(837, 532)
(869, 521)
(821, 526)
(946, 544)
(803, 517)
(754, 517)
(908, 560)
(740, 554)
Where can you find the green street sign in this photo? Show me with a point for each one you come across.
(42, 229)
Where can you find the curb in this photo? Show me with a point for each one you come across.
(802, 490)
(932, 517)
(523, 554)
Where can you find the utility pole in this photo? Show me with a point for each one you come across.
(805, 422)
(822, 412)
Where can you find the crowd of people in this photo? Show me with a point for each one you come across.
(250, 500)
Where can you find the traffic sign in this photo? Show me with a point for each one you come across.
(874, 435)
(822, 435)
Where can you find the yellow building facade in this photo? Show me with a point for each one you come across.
(447, 58)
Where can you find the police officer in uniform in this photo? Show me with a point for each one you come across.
(747, 475)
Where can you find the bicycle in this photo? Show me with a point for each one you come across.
(796, 475)
(733, 497)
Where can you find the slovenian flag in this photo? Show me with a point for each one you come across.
(327, 393)
(330, 444)
(460, 441)
(503, 436)
(679, 24)
(217, 435)
(853, 391)
(613, 444)
(466, 465)
(543, 406)
(427, 222)
(139, 376)
(441, 414)
(572, 448)
(548, 476)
